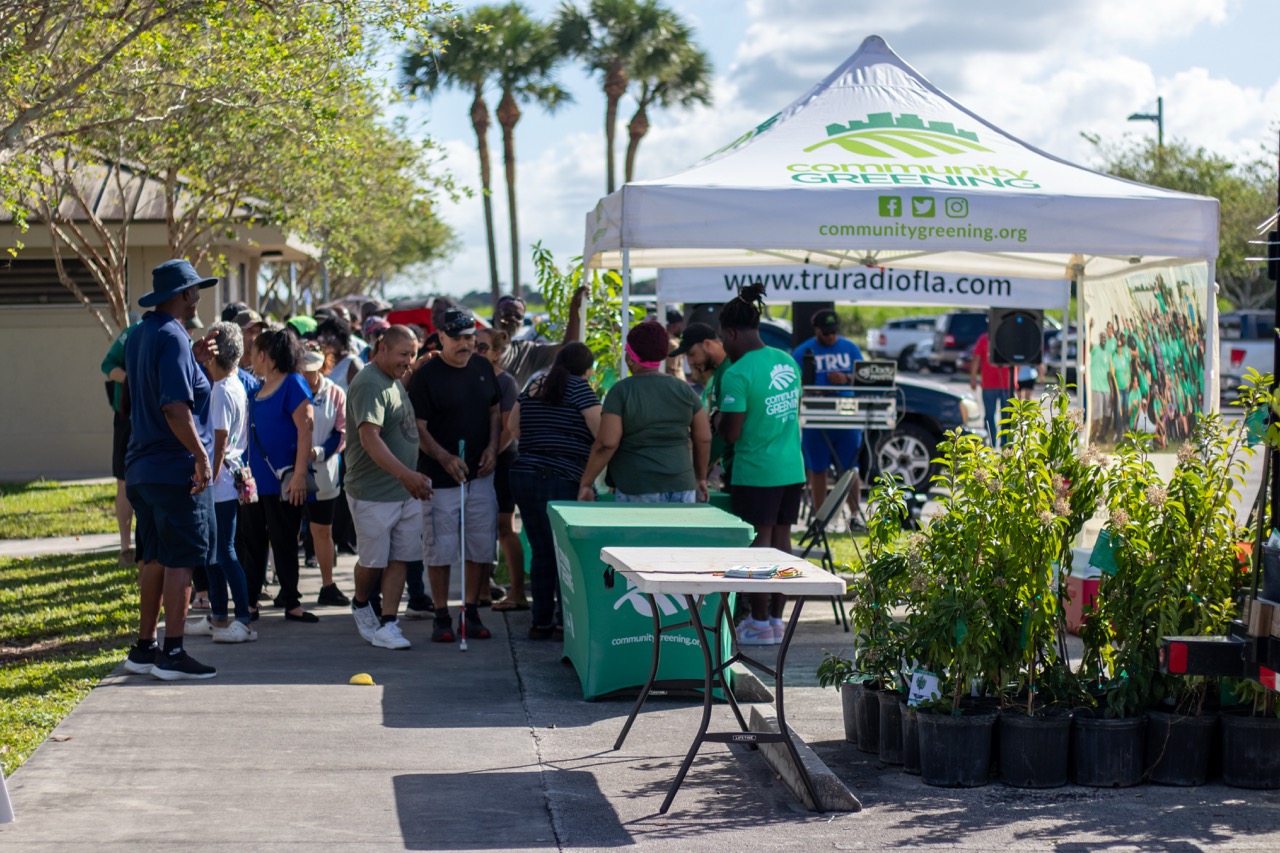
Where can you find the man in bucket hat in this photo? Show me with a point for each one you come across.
(167, 473)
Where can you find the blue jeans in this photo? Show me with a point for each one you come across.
(532, 489)
(413, 577)
(680, 497)
(993, 403)
(227, 571)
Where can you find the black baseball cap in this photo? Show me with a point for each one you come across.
(826, 320)
(458, 323)
(694, 334)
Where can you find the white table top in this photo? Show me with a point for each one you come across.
(692, 571)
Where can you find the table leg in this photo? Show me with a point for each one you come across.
(779, 703)
(653, 673)
(725, 620)
(707, 698)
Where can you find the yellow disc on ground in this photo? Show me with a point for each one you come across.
(362, 678)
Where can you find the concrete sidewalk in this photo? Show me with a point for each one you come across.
(90, 543)
(493, 749)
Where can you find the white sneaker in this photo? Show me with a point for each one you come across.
(366, 621)
(388, 636)
(753, 633)
(778, 630)
(236, 632)
(201, 628)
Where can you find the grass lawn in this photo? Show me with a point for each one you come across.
(48, 508)
(65, 622)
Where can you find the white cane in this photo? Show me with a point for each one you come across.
(462, 526)
(6, 808)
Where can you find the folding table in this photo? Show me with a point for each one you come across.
(698, 572)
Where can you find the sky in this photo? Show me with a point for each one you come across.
(1044, 72)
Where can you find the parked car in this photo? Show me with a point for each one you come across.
(956, 332)
(1246, 339)
(926, 411)
(899, 339)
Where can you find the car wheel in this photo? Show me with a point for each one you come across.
(907, 454)
(907, 360)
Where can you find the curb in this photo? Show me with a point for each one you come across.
(834, 796)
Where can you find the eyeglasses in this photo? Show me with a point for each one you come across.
(482, 347)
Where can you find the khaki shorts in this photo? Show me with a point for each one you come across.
(386, 531)
(441, 525)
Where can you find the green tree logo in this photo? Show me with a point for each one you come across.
(883, 134)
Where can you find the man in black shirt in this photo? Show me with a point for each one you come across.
(456, 400)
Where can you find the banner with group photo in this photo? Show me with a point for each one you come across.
(870, 285)
(1143, 354)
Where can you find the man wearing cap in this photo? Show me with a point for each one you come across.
(833, 358)
(456, 399)
(525, 358)
(168, 472)
(706, 355)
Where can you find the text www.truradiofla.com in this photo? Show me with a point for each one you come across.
(925, 232)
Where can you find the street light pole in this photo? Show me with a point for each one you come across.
(1158, 118)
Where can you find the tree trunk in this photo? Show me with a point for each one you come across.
(508, 115)
(637, 129)
(615, 86)
(480, 123)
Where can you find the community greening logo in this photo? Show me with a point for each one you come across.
(782, 376)
(883, 133)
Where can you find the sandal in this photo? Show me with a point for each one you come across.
(509, 604)
(200, 602)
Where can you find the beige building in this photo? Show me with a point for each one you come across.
(55, 420)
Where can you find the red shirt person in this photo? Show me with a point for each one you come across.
(996, 382)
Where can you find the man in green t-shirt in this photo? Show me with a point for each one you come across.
(706, 355)
(384, 489)
(760, 417)
(1100, 384)
(113, 369)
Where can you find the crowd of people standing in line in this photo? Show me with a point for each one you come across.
(420, 448)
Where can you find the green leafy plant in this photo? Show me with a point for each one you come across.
(878, 588)
(835, 669)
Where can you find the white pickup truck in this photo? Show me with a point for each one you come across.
(1246, 339)
(899, 338)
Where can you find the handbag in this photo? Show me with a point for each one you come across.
(284, 475)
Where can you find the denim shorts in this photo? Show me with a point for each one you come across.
(174, 528)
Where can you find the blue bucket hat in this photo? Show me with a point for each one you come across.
(171, 278)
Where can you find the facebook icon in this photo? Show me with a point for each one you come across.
(890, 205)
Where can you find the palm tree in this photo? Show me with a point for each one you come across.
(465, 60)
(609, 35)
(671, 72)
(528, 53)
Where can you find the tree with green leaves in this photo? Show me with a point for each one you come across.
(610, 36)
(460, 55)
(1246, 192)
(527, 53)
(671, 71)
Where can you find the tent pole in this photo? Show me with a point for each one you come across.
(1082, 346)
(626, 309)
(1211, 343)
(1064, 361)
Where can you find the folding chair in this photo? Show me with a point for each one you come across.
(816, 534)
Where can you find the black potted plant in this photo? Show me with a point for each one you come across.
(837, 670)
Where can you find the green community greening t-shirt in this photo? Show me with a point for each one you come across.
(1099, 366)
(711, 395)
(765, 384)
(375, 398)
(655, 453)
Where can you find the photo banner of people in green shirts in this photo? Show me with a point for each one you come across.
(1144, 354)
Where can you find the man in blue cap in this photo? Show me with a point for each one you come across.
(167, 473)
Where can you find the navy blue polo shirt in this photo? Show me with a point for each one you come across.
(163, 370)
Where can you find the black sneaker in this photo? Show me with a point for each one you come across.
(331, 595)
(541, 632)
(419, 607)
(179, 667)
(475, 628)
(140, 660)
(443, 631)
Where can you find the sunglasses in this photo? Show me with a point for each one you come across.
(482, 347)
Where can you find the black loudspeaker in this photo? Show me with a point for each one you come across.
(706, 312)
(802, 319)
(1016, 336)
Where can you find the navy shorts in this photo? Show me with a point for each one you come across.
(817, 451)
(120, 429)
(175, 528)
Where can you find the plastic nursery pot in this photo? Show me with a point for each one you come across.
(849, 693)
(955, 751)
(867, 710)
(1270, 573)
(1179, 747)
(910, 739)
(1250, 751)
(1107, 753)
(890, 727)
(1034, 751)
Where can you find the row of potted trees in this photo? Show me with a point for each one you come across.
(968, 612)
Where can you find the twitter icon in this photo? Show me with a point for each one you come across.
(923, 207)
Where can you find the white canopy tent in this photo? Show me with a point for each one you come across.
(876, 167)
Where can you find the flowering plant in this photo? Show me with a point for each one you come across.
(1177, 569)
